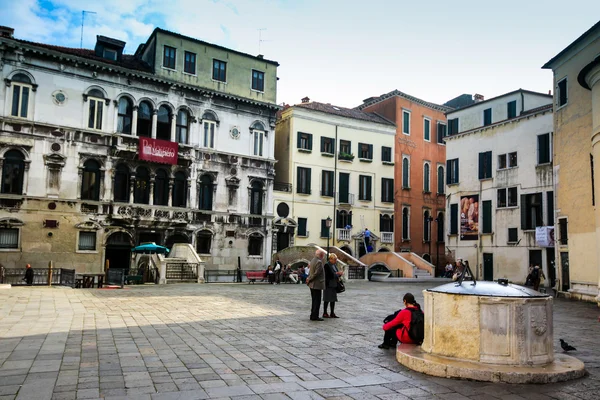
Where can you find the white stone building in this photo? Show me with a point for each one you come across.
(101, 151)
(499, 184)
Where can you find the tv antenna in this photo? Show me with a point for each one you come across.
(83, 12)
(260, 39)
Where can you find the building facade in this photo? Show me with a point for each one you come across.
(334, 163)
(576, 72)
(500, 187)
(419, 159)
(102, 151)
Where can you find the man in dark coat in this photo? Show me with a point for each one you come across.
(28, 275)
(316, 283)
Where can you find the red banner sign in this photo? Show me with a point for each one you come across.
(159, 151)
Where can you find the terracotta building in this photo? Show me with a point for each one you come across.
(420, 170)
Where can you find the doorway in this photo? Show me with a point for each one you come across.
(361, 249)
(283, 240)
(488, 266)
(551, 268)
(564, 267)
(118, 251)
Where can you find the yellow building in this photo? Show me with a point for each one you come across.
(577, 160)
(336, 163)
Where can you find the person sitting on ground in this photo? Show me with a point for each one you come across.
(290, 274)
(303, 273)
(398, 325)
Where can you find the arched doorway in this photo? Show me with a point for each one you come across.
(383, 250)
(176, 238)
(346, 249)
(118, 251)
(427, 257)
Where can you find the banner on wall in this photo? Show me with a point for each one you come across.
(159, 151)
(544, 236)
(469, 217)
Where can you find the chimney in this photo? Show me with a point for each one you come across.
(6, 31)
(550, 92)
(305, 99)
(260, 56)
(478, 97)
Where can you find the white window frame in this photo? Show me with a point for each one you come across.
(425, 120)
(407, 186)
(210, 132)
(258, 142)
(405, 239)
(252, 78)
(426, 224)
(97, 101)
(79, 250)
(404, 112)
(18, 247)
(20, 87)
(426, 189)
(437, 177)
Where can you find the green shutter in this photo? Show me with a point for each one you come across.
(487, 216)
(324, 230)
(523, 207)
(453, 219)
(299, 137)
(456, 172)
(550, 205)
(481, 165)
(369, 188)
(308, 186)
(344, 184)
(298, 179)
(302, 226)
(448, 172)
(488, 165)
(322, 144)
(370, 152)
(310, 141)
(383, 186)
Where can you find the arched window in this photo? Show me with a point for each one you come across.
(405, 173)
(440, 227)
(121, 191)
(161, 188)
(426, 178)
(95, 99)
(125, 115)
(144, 119)
(163, 126)
(405, 223)
(182, 127)
(22, 87)
(209, 123)
(12, 172)
(256, 195)
(426, 226)
(440, 180)
(203, 242)
(386, 223)
(258, 138)
(141, 193)
(90, 182)
(180, 190)
(206, 193)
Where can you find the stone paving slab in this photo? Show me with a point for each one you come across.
(240, 342)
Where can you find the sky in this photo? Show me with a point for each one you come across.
(342, 51)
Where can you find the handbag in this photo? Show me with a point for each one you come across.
(340, 288)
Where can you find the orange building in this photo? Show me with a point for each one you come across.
(420, 172)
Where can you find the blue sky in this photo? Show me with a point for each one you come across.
(342, 52)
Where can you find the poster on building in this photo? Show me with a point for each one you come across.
(469, 217)
(544, 236)
(159, 151)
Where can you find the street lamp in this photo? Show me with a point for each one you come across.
(328, 225)
(437, 244)
(429, 219)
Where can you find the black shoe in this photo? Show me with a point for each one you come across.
(383, 346)
(317, 319)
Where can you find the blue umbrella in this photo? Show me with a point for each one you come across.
(150, 248)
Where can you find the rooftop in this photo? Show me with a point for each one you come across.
(373, 100)
(549, 96)
(345, 112)
(587, 33)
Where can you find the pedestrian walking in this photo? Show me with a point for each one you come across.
(316, 283)
(332, 279)
(28, 275)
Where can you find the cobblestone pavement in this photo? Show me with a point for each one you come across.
(237, 341)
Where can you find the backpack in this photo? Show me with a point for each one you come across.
(417, 325)
(391, 317)
(535, 274)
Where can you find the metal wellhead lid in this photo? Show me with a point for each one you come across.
(492, 289)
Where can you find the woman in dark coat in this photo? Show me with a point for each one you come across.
(28, 275)
(332, 275)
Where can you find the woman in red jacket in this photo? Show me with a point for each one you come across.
(397, 329)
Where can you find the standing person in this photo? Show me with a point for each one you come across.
(332, 276)
(367, 237)
(270, 275)
(316, 283)
(398, 327)
(28, 275)
(277, 271)
(536, 277)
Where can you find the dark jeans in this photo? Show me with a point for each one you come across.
(315, 295)
(390, 338)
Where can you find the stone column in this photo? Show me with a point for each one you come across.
(173, 128)
(170, 203)
(151, 198)
(154, 123)
(134, 117)
(131, 188)
(592, 79)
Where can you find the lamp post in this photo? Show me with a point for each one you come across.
(437, 245)
(429, 219)
(328, 225)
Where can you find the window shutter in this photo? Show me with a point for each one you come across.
(371, 151)
(481, 165)
(523, 207)
(324, 232)
(453, 219)
(457, 175)
(301, 226)
(488, 165)
(299, 180)
(369, 188)
(487, 216)
(448, 172)
(299, 140)
(350, 218)
(310, 142)
(308, 170)
(550, 210)
(322, 144)
(343, 187)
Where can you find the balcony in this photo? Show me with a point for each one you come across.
(345, 198)
(387, 237)
(282, 187)
(344, 234)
